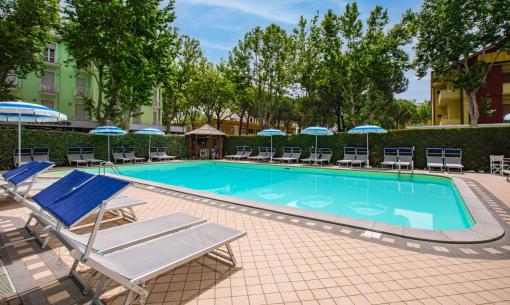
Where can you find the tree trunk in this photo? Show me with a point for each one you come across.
(241, 117)
(100, 88)
(474, 112)
(247, 123)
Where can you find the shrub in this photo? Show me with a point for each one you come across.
(476, 143)
(59, 141)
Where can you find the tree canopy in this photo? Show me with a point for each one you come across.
(454, 38)
(25, 30)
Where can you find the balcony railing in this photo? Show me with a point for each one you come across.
(446, 96)
(81, 93)
(51, 89)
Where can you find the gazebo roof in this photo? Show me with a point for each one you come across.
(206, 130)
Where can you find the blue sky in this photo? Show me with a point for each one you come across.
(220, 24)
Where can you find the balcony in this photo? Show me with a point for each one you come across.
(48, 89)
(81, 93)
(446, 96)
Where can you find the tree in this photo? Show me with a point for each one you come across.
(423, 113)
(213, 92)
(128, 46)
(176, 87)
(267, 57)
(25, 31)
(454, 39)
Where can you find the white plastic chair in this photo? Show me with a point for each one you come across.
(497, 164)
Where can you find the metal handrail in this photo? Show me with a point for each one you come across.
(104, 164)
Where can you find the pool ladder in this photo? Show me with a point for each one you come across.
(104, 164)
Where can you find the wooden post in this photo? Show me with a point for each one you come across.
(220, 147)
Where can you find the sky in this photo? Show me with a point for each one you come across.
(220, 24)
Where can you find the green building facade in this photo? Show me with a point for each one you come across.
(62, 88)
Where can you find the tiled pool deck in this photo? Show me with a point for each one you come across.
(287, 260)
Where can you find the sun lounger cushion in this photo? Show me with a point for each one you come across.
(114, 238)
(167, 252)
(82, 200)
(30, 172)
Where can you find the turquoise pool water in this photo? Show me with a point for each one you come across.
(420, 201)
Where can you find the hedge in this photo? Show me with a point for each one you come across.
(59, 141)
(476, 143)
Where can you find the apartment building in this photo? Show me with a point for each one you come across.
(450, 107)
(63, 88)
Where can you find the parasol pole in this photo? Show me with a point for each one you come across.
(19, 139)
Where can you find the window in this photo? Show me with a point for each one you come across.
(81, 86)
(51, 52)
(48, 82)
(155, 118)
(79, 112)
(48, 103)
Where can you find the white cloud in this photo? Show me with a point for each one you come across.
(271, 12)
(213, 45)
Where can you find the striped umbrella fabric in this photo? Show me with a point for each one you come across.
(270, 133)
(317, 131)
(150, 132)
(28, 112)
(18, 111)
(367, 129)
(108, 131)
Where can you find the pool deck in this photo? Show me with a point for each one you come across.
(285, 259)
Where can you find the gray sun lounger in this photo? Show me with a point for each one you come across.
(88, 154)
(123, 236)
(453, 159)
(315, 154)
(41, 154)
(118, 155)
(264, 153)
(159, 255)
(129, 153)
(349, 156)
(246, 154)
(435, 158)
(162, 154)
(390, 157)
(239, 153)
(405, 158)
(326, 154)
(286, 156)
(74, 156)
(26, 156)
(361, 156)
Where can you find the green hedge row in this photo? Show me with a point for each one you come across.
(476, 143)
(59, 141)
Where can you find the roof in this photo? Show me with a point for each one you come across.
(206, 130)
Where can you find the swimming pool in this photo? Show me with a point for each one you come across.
(418, 201)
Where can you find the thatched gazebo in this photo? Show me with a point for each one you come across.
(205, 142)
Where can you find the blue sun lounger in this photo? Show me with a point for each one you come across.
(24, 177)
(160, 254)
(18, 170)
(40, 202)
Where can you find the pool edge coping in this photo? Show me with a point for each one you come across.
(485, 229)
